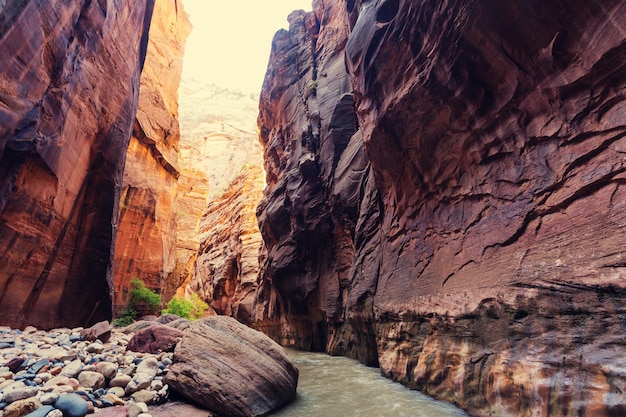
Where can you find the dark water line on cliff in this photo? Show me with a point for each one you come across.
(331, 386)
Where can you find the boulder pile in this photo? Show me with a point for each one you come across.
(73, 372)
(216, 362)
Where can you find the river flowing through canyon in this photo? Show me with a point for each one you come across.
(340, 387)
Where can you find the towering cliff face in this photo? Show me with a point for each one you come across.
(146, 240)
(68, 95)
(317, 172)
(466, 233)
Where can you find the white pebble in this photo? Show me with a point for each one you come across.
(117, 391)
(134, 409)
(44, 376)
(95, 348)
(156, 385)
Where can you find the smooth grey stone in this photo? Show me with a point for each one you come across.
(41, 411)
(72, 405)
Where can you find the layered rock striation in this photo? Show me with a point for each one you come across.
(227, 265)
(446, 197)
(308, 213)
(232, 370)
(68, 96)
(221, 183)
(147, 231)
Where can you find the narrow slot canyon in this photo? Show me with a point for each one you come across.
(433, 190)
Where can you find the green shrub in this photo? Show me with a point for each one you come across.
(142, 299)
(179, 306)
(189, 309)
(141, 302)
(127, 316)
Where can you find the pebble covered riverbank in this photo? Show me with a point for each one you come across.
(59, 373)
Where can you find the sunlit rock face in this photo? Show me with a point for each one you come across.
(69, 86)
(227, 265)
(220, 185)
(218, 132)
(146, 239)
(467, 232)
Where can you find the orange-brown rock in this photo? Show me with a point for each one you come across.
(99, 331)
(68, 96)
(227, 266)
(218, 238)
(192, 196)
(146, 239)
(468, 238)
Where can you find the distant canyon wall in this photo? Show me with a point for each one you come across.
(191, 182)
(222, 180)
(446, 197)
(227, 265)
(69, 88)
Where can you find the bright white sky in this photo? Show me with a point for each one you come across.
(231, 39)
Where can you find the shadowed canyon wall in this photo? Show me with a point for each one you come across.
(308, 214)
(69, 87)
(446, 197)
(147, 231)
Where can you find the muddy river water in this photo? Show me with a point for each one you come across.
(340, 387)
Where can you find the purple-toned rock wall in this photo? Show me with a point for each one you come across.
(446, 197)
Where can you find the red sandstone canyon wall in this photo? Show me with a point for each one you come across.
(446, 197)
(147, 231)
(69, 87)
(306, 123)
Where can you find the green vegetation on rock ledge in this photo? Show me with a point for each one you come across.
(191, 309)
(142, 301)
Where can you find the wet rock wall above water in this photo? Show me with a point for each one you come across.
(446, 197)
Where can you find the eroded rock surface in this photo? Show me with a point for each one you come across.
(227, 265)
(231, 369)
(452, 206)
(219, 186)
(177, 408)
(146, 239)
(69, 87)
(154, 339)
(308, 123)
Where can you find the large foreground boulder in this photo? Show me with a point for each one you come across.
(232, 369)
